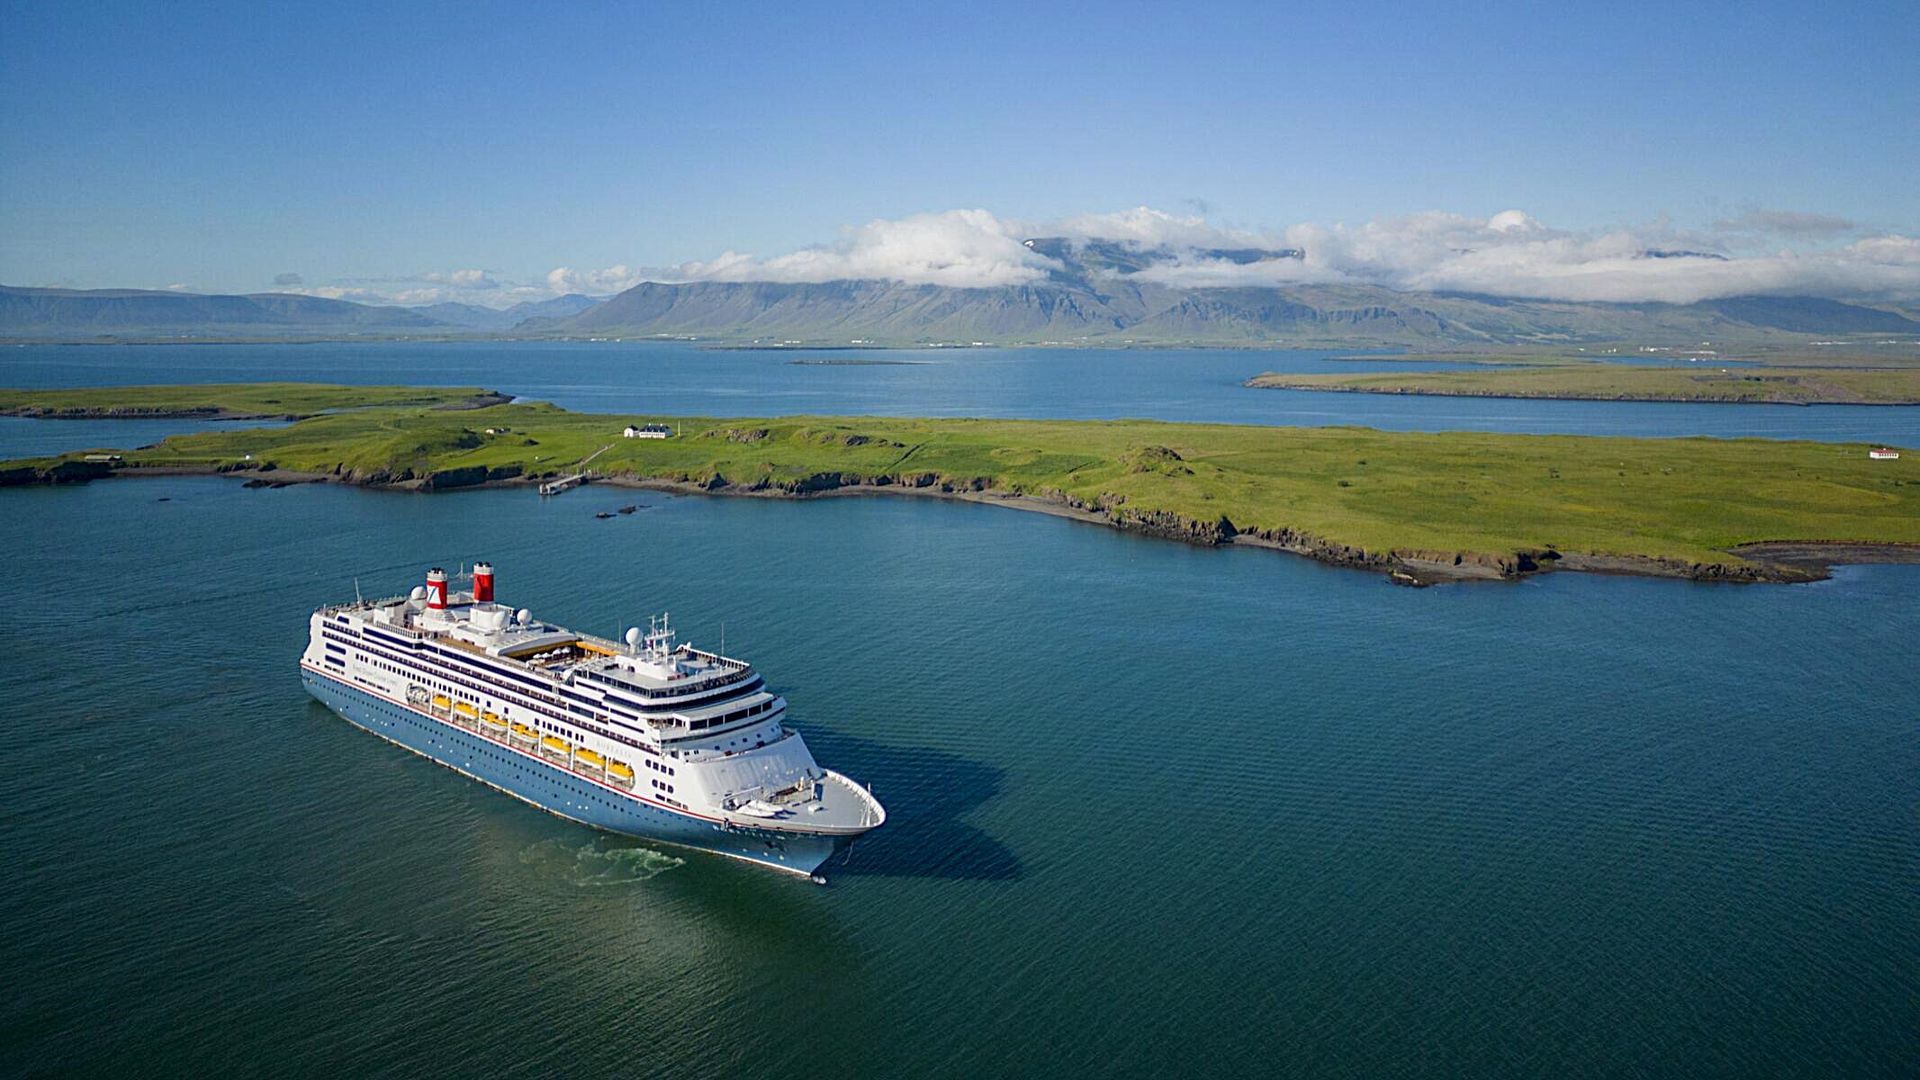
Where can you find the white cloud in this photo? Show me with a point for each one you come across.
(961, 248)
(1510, 253)
(562, 280)
(480, 287)
(1155, 228)
(478, 280)
(1513, 221)
(1513, 254)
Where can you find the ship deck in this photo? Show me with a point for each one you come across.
(844, 809)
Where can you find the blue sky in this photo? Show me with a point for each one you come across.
(370, 146)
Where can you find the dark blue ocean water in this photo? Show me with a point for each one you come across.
(1156, 810)
(1162, 384)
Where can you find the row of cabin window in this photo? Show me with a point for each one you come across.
(557, 704)
(416, 672)
(669, 788)
(541, 725)
(740, 714)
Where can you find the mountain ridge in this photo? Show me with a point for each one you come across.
(1134, 313)
(1095, 293)
(1111, 292)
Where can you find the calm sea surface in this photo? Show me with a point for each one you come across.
(675, 378)
(1156, 810)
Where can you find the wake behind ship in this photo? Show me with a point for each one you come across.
(644, 737)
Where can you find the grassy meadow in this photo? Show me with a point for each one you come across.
(1475, 493)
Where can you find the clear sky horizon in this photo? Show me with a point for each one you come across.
(222, 147)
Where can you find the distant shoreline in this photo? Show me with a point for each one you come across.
(31, 412)
(1624, 399)
(716, 344)
(1706, 385)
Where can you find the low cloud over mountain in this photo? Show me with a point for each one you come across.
(1759, 252)
(1508, 254)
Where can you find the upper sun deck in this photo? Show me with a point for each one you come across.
(686, 670)
(652, 666)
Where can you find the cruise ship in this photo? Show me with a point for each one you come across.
(646, 736)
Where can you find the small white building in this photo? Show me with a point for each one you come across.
(1883, 453)
(650, 431)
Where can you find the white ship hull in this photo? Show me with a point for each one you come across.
(532, 779)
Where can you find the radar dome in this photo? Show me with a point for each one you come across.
(523, 616)
(418, 594)
(633, 637)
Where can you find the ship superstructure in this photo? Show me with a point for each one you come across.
(647, 736)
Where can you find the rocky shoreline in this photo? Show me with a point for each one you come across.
(43, 412)
(1772, 561)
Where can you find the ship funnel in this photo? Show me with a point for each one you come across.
(436, 589)
(483, 583)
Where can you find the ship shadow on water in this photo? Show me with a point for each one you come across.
(928, 795)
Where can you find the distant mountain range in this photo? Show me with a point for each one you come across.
(1101, 293)
(75, 313)
(475, 317)
(1123, 313)
(147, 314)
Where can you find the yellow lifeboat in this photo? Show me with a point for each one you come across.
(621, 771)
(465, 709)
(440, 701)
(555, 744)
(522, 730)
(589, 758)
(493, 720)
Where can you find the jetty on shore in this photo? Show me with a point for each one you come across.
(565, 483)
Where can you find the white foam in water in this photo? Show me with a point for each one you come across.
(591, 865)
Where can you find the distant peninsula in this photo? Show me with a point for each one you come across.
(1705, 382)
(1418, 506)
(231, 401)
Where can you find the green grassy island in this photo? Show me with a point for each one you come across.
(1705, 382)
(1421, 506)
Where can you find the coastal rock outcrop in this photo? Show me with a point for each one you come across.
(58, 472)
